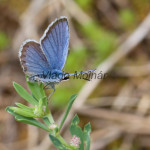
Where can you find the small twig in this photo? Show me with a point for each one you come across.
(76, 12)
(28, 27)
(110, 100)
(132, 71)
(129, 122)
(109, 12)
(104, 137)
(126, 90)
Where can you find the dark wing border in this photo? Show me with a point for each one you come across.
(22, 53)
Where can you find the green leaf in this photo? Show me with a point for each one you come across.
(76, 130)
(24, 94)
(32, 121)
(36, 89)
(27, 120)
(24, 107)
(57, 142)
(47, 111)
(75, 120)
(46, 120)
(72, 98)
(127, 18)
(87, 130)
(23, 112)
(40, 107)
(4, 40)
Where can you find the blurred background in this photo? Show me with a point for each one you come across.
(110, 35)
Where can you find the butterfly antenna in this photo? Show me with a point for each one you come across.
(86, 79)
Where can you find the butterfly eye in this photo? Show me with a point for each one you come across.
(66, 78)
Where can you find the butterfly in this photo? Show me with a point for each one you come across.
(43, 61)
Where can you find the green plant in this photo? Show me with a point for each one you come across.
(128, 19)
(4, 40)
(39, 109)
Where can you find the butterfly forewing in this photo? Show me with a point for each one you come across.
(55, 42)
(32, 58)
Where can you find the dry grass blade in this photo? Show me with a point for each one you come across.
(138, 35)
(129, 122)
(104, 137)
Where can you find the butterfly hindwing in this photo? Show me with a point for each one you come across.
(32, 58)
(55, 42)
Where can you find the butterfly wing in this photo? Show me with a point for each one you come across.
(55, 42)
(32, 58)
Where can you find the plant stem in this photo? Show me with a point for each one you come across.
(69, 147)
(50, 117)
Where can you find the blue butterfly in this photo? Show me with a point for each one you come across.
(44, 61)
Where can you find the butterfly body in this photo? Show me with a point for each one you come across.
(50, 76)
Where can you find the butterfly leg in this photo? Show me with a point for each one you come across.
(86, 79)
(52, 86)
(32, 78)
(51, 94)
(46, 87)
